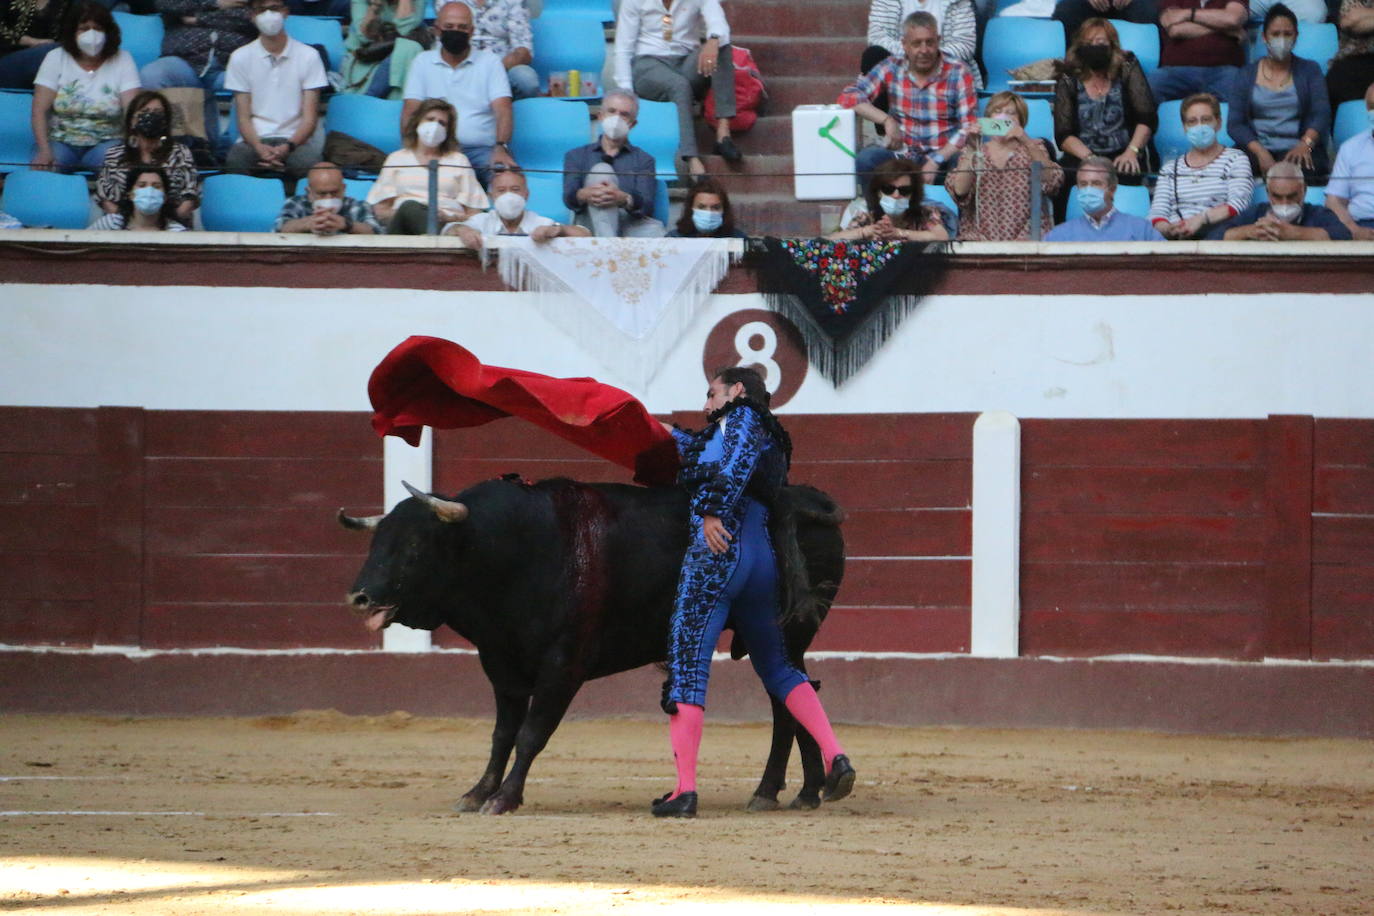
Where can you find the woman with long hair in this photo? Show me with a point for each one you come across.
(1103, 105)
(707, 214)
(734, 468)
(145, 205)
(400, 196)
(81, 91)
(148, 141)
(895, 208)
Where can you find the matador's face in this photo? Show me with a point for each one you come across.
(719, 394)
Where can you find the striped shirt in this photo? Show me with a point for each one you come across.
(932, 113)
(1183, 191)
(958, 28)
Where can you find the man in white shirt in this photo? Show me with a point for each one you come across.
(672, 54)
(474, 82)
(508, 215)
(1350, 193)
(276, 82)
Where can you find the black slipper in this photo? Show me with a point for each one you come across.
(685, 805)
(839, 782)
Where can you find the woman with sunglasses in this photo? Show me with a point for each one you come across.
(893, 208)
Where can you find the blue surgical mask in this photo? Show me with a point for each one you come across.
(1092, 199)
(707, 220)
(1201, 136)
(893, 206)
(148, 200)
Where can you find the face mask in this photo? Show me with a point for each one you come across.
(1092, 199)
(1280, 48)
(148, 200)
(893, 206)
(509, 206)
(431, 133)
(327, 203)
(615, 127)
(455, 42)
(152, 123)
(1096, 57)
(707, 220)
(1288, 213)
(270, 22)
(91, 41)
(1201, 136)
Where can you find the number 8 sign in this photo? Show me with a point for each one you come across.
(764, 340)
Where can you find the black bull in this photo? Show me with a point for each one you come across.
(560, 582)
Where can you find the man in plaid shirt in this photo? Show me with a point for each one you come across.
(932, 102)
(325, 209)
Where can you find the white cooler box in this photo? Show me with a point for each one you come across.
(824, 141)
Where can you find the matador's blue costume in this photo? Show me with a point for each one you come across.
(734, 468)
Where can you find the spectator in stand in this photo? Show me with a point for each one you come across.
(325, 208)
(1305, 10)
(707, 214)
(893, 208)
(28, 31)
(510, 193)
(148, 141)
(1101, 221)
(932, 103)
(145, 206)
(1279, 107)
(1202, 48)
(673, 53)
(1103, 105)
(276, 82)
(992, 180)
(502, 27)
(400, 195)
(379, 54)
(1352, 69)
(200, 35)
(473, 82)
(1074, 14)
(1208, 184)
(81, 91)
(1285, 217)
(1350, 193)
(609, 184)
(954, 20)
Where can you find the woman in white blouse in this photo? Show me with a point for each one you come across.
(400, 196)
(1207, 185)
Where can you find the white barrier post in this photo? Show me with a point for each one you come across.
(994, 632)
(416, 467)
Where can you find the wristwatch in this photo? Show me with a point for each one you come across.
(1134, 149)
(502, 146)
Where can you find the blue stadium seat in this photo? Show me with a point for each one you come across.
(546, 196)
(141, 36)
(595, 10)
(240, 203)
(1014, 40)
(1041, 117)
(565, 42)
(16, 131)
(1141, 39)
(657, 134)
(1317, 41)
(1315, 196)
(545, 129)
(374, 121)
(317, 30)
(1350, 119)
(357, 188)
(1171, 141)
(40, 199)
(661, 202)
(1127, 199)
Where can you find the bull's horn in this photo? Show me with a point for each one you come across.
(366, 523)
(447, 510)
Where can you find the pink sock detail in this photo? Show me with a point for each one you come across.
(806, 708)
(684, 730)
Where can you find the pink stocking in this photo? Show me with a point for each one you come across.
(684, 730)
(806, 708)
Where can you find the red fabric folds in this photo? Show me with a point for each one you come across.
(429, 381)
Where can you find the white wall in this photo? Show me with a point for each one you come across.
(1035, 356)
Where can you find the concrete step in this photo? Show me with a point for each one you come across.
(800, 18)
(823, 60)
(762, 214)
(755, 175)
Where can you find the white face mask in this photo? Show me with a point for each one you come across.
(327, 203)
(91, 41)
(431, 133)
(615, 127)
(1287, 213)
(270, 22)
(509, 206)
(1280, 48)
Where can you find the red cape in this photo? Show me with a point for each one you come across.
(429, 381)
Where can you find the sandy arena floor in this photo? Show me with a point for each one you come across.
(324, 813)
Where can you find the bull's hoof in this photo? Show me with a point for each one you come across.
(469, 803)
(805, 802)
(761, 803)
(498, 805)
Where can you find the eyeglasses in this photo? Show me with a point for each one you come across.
(902, 190)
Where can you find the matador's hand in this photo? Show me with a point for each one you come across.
(713, 530)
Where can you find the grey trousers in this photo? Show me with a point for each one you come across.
(676, 80)
(243, 158)
(613, 222)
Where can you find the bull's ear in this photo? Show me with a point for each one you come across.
(445, 509)
(365, 523)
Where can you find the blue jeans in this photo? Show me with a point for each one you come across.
(175, 72)
(480, 157)
(1169, 83)
(524, 82)
(69, 158)
(18, 68)
(870, 157)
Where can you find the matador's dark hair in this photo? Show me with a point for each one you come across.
(756, 396)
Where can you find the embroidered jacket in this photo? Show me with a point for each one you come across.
(729, 459)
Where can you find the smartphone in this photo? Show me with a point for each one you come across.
(994, 127)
